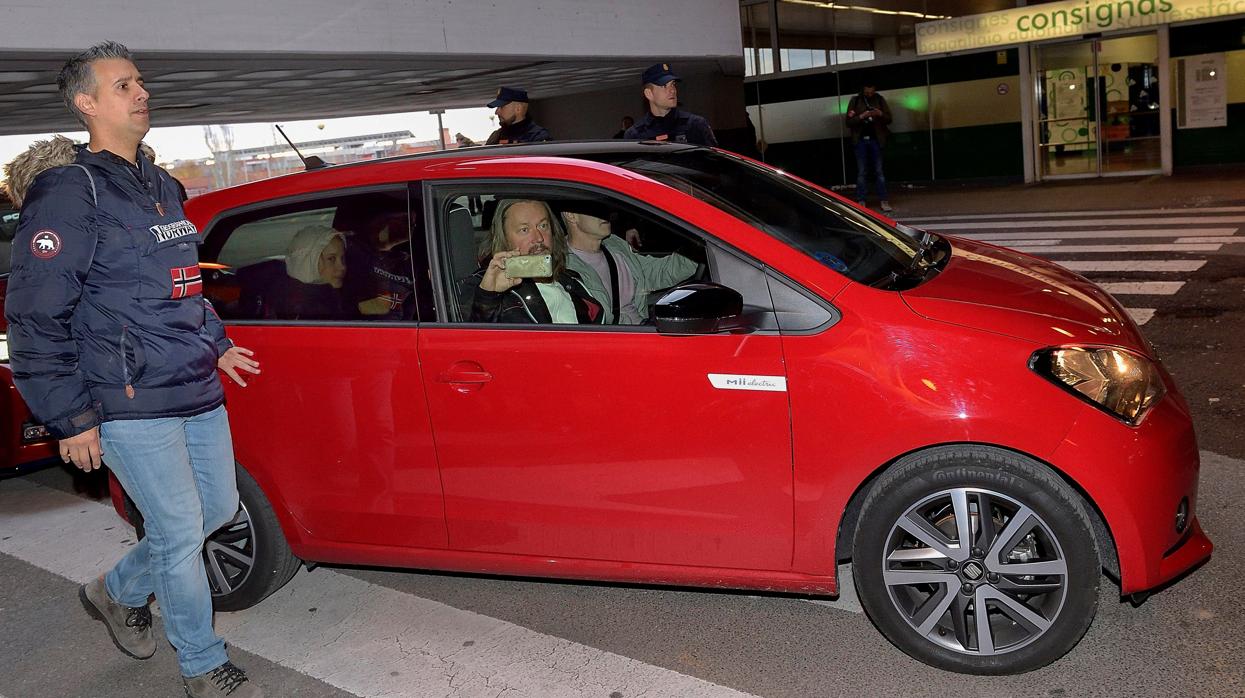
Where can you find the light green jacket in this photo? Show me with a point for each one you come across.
(650, 274)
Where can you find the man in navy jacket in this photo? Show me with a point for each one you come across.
(115, 350)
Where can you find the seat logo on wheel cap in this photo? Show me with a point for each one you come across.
(973, 571)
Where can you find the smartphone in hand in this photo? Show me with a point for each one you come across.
(529, 266)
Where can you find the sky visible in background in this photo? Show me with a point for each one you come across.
(187, 142)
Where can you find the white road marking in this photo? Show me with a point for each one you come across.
(363, 638)
(1069, 249)
(1142, 288)
(1072, 214)
(1226, 241)
(1026, 243)
(1151, 265)
(1109, 222)
(1140, 315)
(1093, 234)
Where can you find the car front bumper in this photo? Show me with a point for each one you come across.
(1138, 477)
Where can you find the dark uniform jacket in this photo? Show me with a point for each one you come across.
(105, 308)
(677, 126)
(874, 127)
(525, 131)
(523, 304)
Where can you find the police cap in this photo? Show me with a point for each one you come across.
(658, 74)
(508, 94)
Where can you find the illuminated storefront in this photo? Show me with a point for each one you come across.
(989, 89)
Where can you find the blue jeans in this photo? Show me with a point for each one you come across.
(869, 161)
(180, 473)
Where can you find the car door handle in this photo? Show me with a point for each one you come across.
(465, 373)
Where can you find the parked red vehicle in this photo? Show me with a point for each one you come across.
(981, 432)
(24, 443)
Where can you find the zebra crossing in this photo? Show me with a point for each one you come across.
(1141, 256)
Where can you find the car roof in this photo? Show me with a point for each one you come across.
(416, 164)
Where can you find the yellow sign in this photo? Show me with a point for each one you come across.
(1062, 19)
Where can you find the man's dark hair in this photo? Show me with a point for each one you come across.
(77, 77)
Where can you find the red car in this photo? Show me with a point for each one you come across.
(981, 432)
(24, 443)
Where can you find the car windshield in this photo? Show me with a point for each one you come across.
(828, 230)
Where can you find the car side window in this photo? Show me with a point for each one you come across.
(342, 258)
(608, 259)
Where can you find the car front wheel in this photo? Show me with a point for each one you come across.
(977, 560)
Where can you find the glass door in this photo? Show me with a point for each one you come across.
(1128, 74)
(1098, 107)
(1067, 129)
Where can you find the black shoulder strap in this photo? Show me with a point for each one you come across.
(609, 259)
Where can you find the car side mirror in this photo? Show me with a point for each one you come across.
(699, 308)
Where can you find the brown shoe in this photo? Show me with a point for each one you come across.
(129, 627)
(224, 680)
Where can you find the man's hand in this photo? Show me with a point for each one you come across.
(237, 359)
(83, 450)
(495, 278)
(632, 236)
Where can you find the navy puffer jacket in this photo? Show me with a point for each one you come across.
(105, 308)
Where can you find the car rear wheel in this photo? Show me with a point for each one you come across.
(977, 560)
(247, 559)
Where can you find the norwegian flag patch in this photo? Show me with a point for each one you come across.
(187, 281)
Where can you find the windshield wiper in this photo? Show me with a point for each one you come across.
(916, 268)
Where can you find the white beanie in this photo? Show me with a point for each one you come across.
(302, 260)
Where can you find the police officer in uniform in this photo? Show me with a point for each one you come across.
(665, 121)
(511, 106)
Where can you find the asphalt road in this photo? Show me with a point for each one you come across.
(618, 642)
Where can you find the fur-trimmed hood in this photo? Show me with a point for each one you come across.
(57, 151)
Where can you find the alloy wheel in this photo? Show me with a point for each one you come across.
(229, 554)
(975, 571)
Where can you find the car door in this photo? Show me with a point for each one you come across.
(606, 443)
(335, 428)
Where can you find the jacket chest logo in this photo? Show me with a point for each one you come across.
(172, 231)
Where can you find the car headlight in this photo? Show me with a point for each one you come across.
(1120, 382)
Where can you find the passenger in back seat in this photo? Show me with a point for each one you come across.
(316, 267)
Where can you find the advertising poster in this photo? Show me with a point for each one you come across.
(1202, 91)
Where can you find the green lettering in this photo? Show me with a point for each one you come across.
(1105, 14)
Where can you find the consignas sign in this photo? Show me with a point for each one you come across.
(1060, 19)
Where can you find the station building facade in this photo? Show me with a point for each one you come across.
(1000, 89)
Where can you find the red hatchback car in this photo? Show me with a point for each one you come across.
(981, 432)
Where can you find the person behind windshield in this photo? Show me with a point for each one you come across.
(527, 227)
(316, 265)
(613, 273)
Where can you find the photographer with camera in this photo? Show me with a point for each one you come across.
(867, 117)
(525, 279)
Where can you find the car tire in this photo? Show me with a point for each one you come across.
(1033, 562)
(248, 558)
